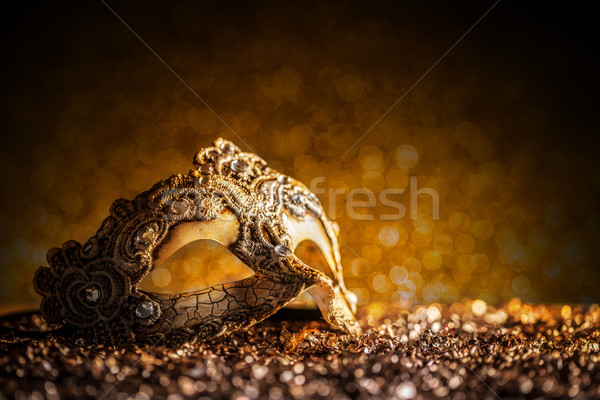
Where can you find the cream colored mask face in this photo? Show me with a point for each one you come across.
(233, 198)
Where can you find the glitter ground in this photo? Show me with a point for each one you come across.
(467, 350)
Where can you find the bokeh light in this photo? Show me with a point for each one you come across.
(104, 119)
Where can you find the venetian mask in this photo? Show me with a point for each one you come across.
(233, 198)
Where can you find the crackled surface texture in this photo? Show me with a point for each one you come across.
(232, 197)
(464, 351)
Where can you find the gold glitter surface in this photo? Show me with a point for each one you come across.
(104, 119)
(467, 350)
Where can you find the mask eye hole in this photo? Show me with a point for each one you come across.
(197, 265)
(311, 255)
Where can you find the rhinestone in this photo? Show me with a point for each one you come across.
(227, 147)
(144, 310)
(206, 169)
(87, 247)
(204, 181)
(283, 179)
(92, 294)
(179, 206)
(146, 235)
(239, 166)
(282, 250)
(298, 198)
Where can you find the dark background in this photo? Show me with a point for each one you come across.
(74, 76)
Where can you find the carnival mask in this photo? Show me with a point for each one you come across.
(233, 198)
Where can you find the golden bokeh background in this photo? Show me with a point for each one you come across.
(91, 115)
